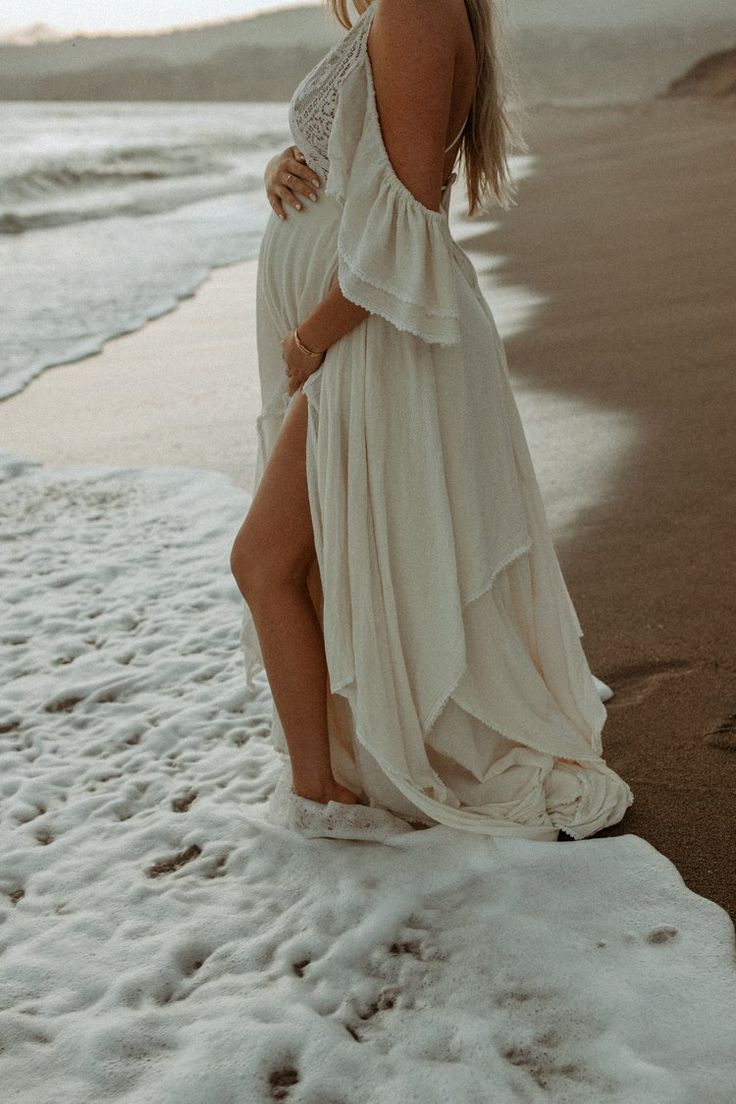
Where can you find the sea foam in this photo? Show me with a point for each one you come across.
(159, 940)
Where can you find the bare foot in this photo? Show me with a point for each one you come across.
(330, 791)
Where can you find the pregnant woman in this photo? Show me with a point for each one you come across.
(402, 590)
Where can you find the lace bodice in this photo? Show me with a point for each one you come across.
(312, 106)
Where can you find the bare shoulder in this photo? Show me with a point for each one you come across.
(420, 26)
(413, 47)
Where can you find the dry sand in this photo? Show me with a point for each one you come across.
(624, 234)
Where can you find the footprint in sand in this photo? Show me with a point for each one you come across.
(723, 736)
(281, 1081)
(631, 685)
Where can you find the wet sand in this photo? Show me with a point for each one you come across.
(181, 391)
(628, 230)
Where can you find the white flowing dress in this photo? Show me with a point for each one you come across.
(459, 690)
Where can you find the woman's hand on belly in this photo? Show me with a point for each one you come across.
(287, 177)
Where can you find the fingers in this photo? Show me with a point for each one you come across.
(303, 178)
(276, 203)
(284, 194)
(293, 179)
(287, 191)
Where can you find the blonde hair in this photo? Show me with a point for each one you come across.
(490, 133)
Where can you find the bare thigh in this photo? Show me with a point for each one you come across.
(276, 539)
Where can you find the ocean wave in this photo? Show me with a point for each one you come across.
(131, 165)
(78, 176)
(76, 287)
(146, 202)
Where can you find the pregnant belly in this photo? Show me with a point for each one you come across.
(298, 259)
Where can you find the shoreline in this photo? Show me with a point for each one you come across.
(155, 312)
(123, 407)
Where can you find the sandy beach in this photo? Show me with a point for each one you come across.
(161, 938)
(627, 230)
(622, 240)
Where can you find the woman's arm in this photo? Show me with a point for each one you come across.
(412, 55)
(334, 317)
(412, 59)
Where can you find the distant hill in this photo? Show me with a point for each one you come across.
(30, 35)
(261, 57)
(618, 14)
(307, 27)
(232, 75)
(598, 65)
(264, 56)
(714, 75)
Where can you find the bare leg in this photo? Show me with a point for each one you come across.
(271, 558)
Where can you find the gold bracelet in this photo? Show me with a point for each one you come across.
(304, 349)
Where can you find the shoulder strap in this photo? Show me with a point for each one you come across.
(459, 133)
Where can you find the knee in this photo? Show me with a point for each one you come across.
(260, 570)
(244, 564)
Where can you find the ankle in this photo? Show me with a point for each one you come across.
(316, 789)
(323, 790)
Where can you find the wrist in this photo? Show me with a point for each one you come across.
(305, 345)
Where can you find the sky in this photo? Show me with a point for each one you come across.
(126, 15)
(141, 15)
